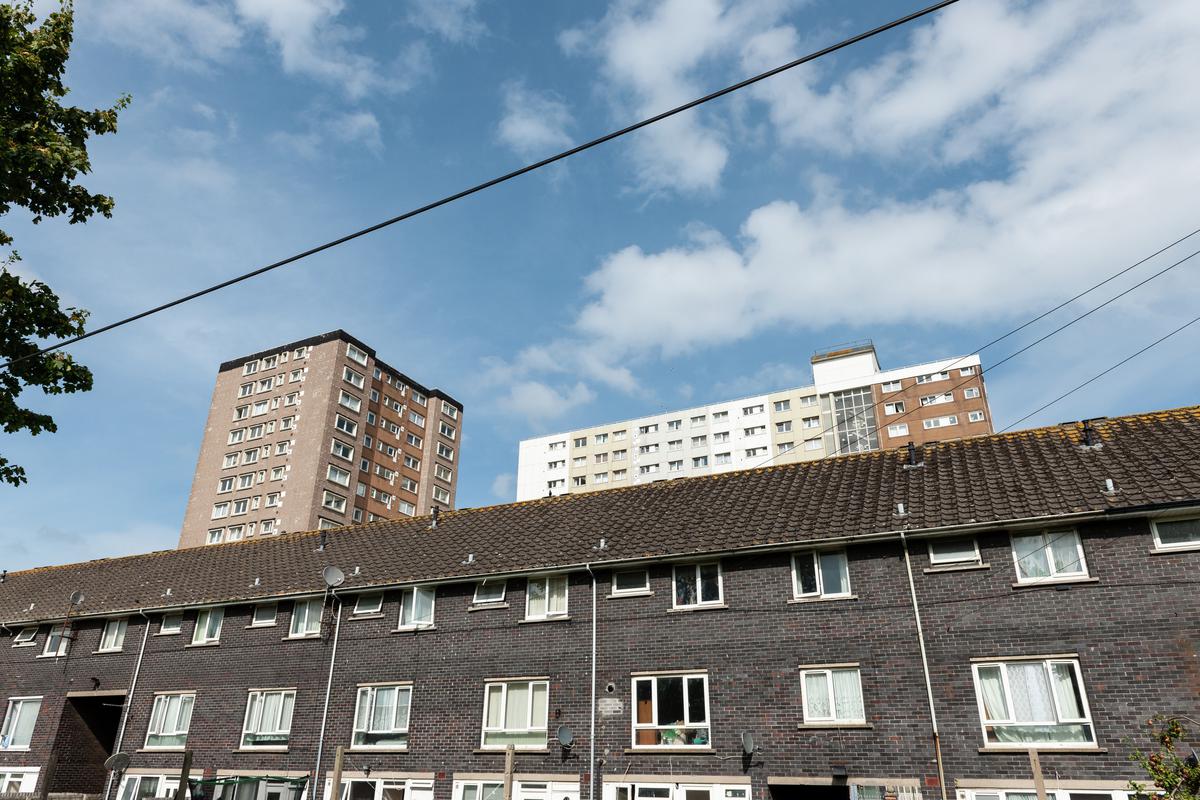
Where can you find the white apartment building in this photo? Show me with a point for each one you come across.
(851, 406)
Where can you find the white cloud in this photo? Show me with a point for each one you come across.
(541, 403)
(1090, 164)
(453, 20)
(533, 124)
(353, 129)
(502, 485)
(186, 33)
(652, 52)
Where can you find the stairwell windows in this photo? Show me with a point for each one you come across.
(820, 574)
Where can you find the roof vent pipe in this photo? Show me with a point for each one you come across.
(1109, 486)
(3, 575)
(1089, 434)
(322, 542)
(912, 454)
(900, 510)
(433, 517)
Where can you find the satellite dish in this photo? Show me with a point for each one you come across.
(117, 762)
(76, 598)
(565, 737)
(748, 743)
(333, 576)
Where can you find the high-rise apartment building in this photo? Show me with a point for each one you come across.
(316, 434)
(852, 406)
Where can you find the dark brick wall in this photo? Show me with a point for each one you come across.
(1134, 630)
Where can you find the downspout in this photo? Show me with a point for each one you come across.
(937, 740)
(337, 629)
(592, 734)
(137, 669)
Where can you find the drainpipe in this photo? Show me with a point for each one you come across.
(937, 741)
(337, 629)
(592, 734)
(137, 669)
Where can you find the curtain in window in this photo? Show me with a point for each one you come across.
(1064, 551)
(1031, 556)
(685, 586)
(835, 578)
(847, 694)
(516, 713)
(991, 686)
(816, 691)
(537, 597)
(1067, 691)
(806, 574)
(1031, 698)
(27, 712)
(385, 710)
(495, 706)
(558, 595)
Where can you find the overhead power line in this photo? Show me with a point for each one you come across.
(892, 420)
(479, 187)
(1100, 375)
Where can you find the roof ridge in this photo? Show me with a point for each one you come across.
(678, 484)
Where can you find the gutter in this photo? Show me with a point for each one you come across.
(882, 536)
(137, 670)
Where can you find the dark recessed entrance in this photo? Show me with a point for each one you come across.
(809, 792)
(87, 733)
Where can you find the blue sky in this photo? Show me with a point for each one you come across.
(928, 190)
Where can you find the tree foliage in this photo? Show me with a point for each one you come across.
(1172, 766)
(43, 153)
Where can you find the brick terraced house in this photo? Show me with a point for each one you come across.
(904, 623)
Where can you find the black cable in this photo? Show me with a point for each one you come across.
(1011, 356)
(1100, 375)
(608, 137)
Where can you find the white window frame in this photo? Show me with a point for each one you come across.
(264, 621)
(300, 626)
(252, 722)
(484, 601)
(642, 589)
(695, 570)
(362, 608)
(688, 721)
(117, 627)
(12, 717)
(832, 719)
(407, 597)
(531, 725)
(934, 561)
(203, 615)
(820, 593)
(59, 637)
(1047, 663)
(26, 636)
(1158, 544)
(898, 429)
(368, 694)
(1048, 535)
(546, 581)
(356, 355)
(176, 628)
(186, 699)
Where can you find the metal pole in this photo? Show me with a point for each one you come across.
(937, 740)
(592, 734)
(181, 790)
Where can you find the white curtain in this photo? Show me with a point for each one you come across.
(991, 686)
(816, 692)
(835, 578)
(1031, 556)
(847, 694)
(1063, 546)
(1065, 691)
(1030, 688)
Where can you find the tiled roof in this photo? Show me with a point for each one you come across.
(1153, 460)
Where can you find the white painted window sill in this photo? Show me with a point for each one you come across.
(564, 618)
(1183, 548)
(487, 606)
(705, 607)
(203, 644)
(1033, 584)
(675, 751)
(638, 593)
(803, 600)
(834, 726)
(1042, 748)
(956, 568)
